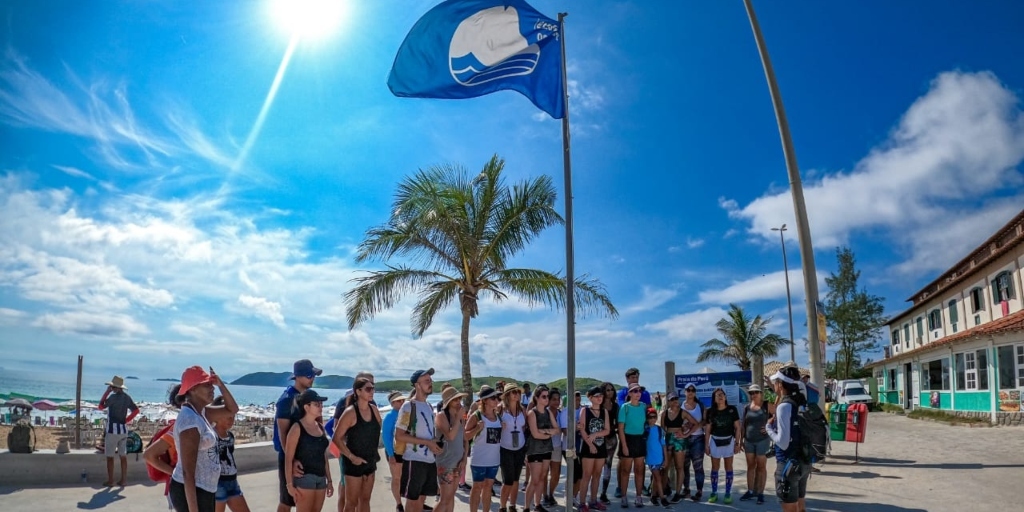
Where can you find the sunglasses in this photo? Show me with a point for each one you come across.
(492, 398)
(316, 404)
(637, 391)
(542, 396)
(691, 390)
(366, 388)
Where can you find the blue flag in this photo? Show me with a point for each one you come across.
(469, 48)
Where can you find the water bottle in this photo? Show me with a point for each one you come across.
(85, 477)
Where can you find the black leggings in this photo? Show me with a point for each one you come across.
(204, 499)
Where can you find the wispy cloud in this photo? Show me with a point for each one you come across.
(961, 140)
(690, 326)
(263, 307)
(764, 287)
(111, 325)
(652, 298)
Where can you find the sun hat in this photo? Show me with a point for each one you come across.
(635, 386)
(754, 388)
(596, 390)
(305, 368)
(487, 392)
(396, 395)
(193, 376)
(448, 395)
(309, 396)
(117, 382)
(419, 373)
(510, 387)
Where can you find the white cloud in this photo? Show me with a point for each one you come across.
(694, 243)
(262, 307)
(111, 325)
(694, 325)
(764, 287)
(652, 298)
(956, 145)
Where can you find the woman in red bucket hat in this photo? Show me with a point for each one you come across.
(195, 477)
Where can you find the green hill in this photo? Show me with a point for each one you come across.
(272, 379)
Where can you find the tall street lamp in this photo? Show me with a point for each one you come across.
(789, 301)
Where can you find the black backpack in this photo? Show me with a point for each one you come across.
(813, 428)
(21, 439)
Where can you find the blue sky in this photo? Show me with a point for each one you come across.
(132, 232)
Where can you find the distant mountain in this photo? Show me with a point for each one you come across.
(131, 377)
(272, 379)
(167, 380)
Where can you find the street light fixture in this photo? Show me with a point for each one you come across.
(789, 301)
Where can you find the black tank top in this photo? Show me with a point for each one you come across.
(536, 446)
(363, 437)
(310, 452)
(674, 423)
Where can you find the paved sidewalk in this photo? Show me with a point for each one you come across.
(905, 466)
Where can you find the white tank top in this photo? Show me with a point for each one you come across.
(695, 412)
(512, 427)
(486, 445)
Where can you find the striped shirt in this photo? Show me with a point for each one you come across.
(117, 405)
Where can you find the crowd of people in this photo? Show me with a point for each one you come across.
(507, 429)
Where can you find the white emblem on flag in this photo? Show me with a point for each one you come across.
(489, 46)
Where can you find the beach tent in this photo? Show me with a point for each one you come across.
(45, 405)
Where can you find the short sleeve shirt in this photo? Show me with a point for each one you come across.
(208, 459)
(422, 425)
(284, 412)
(118, 405)
(723, 422)
(633, 418)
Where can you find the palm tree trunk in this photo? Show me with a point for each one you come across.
(757, 370)
(467, 375)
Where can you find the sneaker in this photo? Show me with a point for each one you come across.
(399, 508)
(465, 487)
(696, 497)
(584, 508)
(713, 498)
(647, 491)
(760, 499)
(540, 508)
(665, 503)
(639, 502)
(624, 503)
(597, 505)
(512, 508)
(427, 507)
(749, 495)
(502, 509)
(728, 498)
(604, 498)
(676, 498)
(618, 492)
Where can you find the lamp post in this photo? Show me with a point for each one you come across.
(789, 301)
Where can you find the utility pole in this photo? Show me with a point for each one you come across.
(789, 299)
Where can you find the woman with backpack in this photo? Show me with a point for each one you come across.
(484, 428)
(755, 444)
(161, 455)
(356, 435)
(791, 470)
(451, 429)
(723, 440)
(197, 474)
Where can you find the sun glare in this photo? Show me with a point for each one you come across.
(313, 19)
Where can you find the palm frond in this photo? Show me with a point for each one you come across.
(381, 290)
(434, 298)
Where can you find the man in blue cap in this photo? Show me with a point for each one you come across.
(303, 373)
(415, 428)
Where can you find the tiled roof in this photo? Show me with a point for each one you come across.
(773, 366)
(1009, 323)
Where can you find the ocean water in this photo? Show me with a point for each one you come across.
(60, 387)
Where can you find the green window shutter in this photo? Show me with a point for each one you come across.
(953, 314)
(995, 291)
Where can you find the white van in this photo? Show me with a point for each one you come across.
(852, 392)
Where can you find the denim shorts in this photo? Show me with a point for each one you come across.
(227, 489)
(308, 481)
(481, 473)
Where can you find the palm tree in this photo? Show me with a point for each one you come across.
(457, 234)
(746, 343)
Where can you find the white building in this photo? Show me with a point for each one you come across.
(960, 346)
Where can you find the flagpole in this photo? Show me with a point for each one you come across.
(570, 285)
(800, 209)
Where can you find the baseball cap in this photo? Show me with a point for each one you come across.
(305, 368)
(596, 390)
(690, 386)
(309, 396)
(754, 388)
(419, 373)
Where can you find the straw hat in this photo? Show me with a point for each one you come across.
(510, 387)
(117, 382)
(448, 395)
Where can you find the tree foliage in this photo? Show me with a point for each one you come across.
(455, 234)
(743, 339)
(855, 317)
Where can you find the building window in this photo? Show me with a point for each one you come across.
(935, 320)
(892, 379)
(972, 370)
(1009, 377)
(896, 337)
(954, 315)
(1020, 366)
(920, 329)
(880, 379)
(1002, 287)
(977, 300)
(935, 375)
(906, 335)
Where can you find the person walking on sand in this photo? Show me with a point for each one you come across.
(197, 474)
(356, 434)
(451, 433)
(396, 399)
(415, 429)
(303, 373)
(117, 403)
(229, 493)
(307, 443)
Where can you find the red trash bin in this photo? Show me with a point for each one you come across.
(856, 423)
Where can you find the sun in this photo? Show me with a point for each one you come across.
(309, 19)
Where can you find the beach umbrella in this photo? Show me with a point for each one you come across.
(19, 403)
(45, 405)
